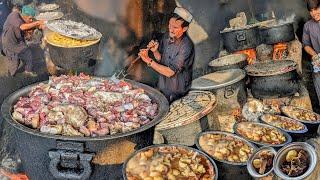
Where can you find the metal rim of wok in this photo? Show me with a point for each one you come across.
(155, 95)
(124, 166)
(228, 60)
(304, 130)
(300, 120)
(275, 26)
(287, 136)
(295, 145)
(197, 139)
(271, 68)
(79, 46)
(94, 34)
(252, 171)
(59, 15)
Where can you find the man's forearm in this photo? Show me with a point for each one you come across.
(164, 70)
(310, 50)
(157, 55)
(28, 26)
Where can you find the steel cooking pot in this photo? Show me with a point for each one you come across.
(277, 34)
(240, 39)
(69, 157)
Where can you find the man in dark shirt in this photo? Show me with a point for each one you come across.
(174, 57)
(311, 41)
(13, 38)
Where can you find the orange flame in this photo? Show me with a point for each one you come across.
(279, 50)
(251, 53)
(13, 176)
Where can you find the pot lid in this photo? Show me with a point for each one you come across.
(192, 107)
(218, 79)
(228, 60)
(275, 25)
(247, 27)
(75, 30)
(271, 68)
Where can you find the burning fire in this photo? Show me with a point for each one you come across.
(280, 51)
(251, 53)
(13, 176)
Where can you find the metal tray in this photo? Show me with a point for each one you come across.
(228, 134)
(304, 130)
(288, 137)
(171, 145)
(303, 121)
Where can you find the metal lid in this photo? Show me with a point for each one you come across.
(229, 29)
(271, 68)
(192, 107)
(228, 60)
(218, 79)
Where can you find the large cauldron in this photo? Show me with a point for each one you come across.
(73, 58)
(273, 79)
(277, 34)
(47, 156)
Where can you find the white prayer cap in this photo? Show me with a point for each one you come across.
(183, 13)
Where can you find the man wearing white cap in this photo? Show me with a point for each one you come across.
(174, 56)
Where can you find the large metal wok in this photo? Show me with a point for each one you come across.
(56, 156)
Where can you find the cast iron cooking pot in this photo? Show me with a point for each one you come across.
(69, 157)
(240, 39)
(277, 34)
(273, 79)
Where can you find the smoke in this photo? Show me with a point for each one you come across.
(109, 10)
(288, 19)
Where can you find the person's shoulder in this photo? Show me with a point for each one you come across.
(187, 41)
(14, 18)
(310, 23)
(14, 14)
